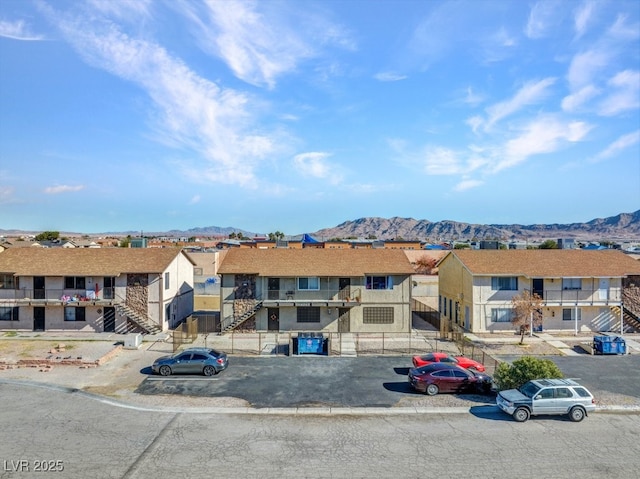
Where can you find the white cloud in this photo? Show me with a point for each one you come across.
(132, 10)
(55, 190)
(475, 122)
(622, 30)
(585, 65)
(194, 200)
(314, 164)
(190, 111)
(261, 41)
(442, 161)
(389, 76)
(545, 134)
(17, 30)
(467, 185)
(619, 145)
(6, 194)
(531, 93)
(472, 98)
(624, 94)
(583, 15)
(574, 101)
(543, 14)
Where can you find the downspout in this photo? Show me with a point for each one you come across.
(161, 300)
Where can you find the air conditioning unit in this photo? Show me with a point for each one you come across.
(133, 341)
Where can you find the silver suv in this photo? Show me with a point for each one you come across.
(547, 396)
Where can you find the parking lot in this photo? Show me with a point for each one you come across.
(267, 382)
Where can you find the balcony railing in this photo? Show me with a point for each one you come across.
(345, 295)
(581, 296)
(62, 296)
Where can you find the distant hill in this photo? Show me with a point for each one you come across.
(619, 227)
(625, 226)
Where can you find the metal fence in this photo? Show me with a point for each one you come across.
(185, 333)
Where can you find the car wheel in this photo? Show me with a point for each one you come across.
(209, 371)
(576, 414)
(165, 371)
(432, 390)
(521, 414)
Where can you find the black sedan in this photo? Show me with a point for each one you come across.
(448, 378)
(191, 361)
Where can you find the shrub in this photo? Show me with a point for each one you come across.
(510, 376)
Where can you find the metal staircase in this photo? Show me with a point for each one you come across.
(237, 321)
(631, 319)
(140, 320)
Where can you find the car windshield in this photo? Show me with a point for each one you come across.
(529, 389)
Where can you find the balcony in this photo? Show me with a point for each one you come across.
(581, 297)
(57, 297)
(332, 298)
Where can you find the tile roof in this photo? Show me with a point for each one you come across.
(548, 263)
(85, 261)
(315, 262)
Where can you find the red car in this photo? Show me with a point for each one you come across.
(461, 361)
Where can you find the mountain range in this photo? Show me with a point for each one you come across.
(625, 227)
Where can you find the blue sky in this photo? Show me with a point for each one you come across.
(296, 115)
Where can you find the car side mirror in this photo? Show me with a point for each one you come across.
(538, 397)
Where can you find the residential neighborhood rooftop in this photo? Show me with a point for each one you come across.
(85, 261)
(549, 263)
(315, 262)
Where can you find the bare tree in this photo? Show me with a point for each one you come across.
(527, 311)
(425, 265)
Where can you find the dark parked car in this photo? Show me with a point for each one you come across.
(448, 378)
(191, 361)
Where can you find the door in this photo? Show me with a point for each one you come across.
(544, 402)
(182, 363)
(537, 287)
(273, 321)
(603, 290)
(344, 320)
(108, 289)
(196, 364)
(109, 320)
(38, 318)
(273, 286)
(344, 287)
(467, 318)
(446, 381)
(38, 287)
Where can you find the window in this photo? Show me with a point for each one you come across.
(501, 315)
(504, 283)
(582, 392)
(563, 393)
(74, 313)
(197, 271)
(7, 281)
(444, 306)
(383, 315)
(74, 282)
(569, 314)
(9, 313)
(445, 373)
(545, 394)
(309, 284)
(167, 281)
(571, 283)
(308, 314)
(379, 282)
